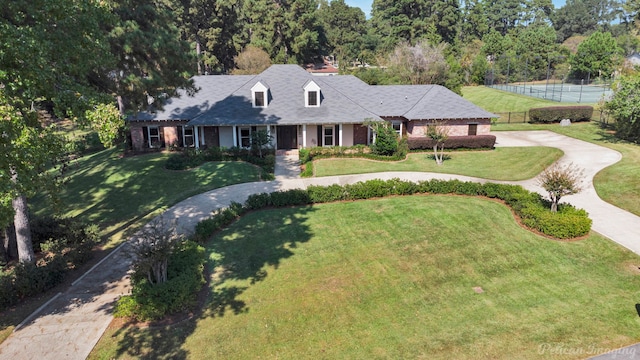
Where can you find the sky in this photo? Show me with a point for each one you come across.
(365, 5)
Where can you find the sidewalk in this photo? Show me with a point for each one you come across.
(70, 325)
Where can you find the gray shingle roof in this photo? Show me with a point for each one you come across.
(226, 100)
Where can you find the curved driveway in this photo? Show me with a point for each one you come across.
(70, 325)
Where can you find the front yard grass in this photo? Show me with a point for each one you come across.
(116, 192)
(618, 184)
(395, 278)
(499, 164)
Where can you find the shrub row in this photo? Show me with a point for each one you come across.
(154, 301)
(553, 114)
(190, 158)
(455, 142)
(66, 242)
(534, 211)
(307, 155)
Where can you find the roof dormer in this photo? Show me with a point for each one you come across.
(312, 94)
(260, 95)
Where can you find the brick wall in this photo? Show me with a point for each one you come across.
(137, 137)
(456, 127)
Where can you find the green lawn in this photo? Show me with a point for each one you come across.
(618, 184)
(305, 283)
(499, 164)
(116, 192)
(502, 101)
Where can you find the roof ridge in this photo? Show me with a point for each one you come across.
(433, 86)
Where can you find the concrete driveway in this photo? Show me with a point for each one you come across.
(70, 325)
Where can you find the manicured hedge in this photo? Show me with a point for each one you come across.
(534, 211)
(553, 114)
(190, 158)
(454, 142)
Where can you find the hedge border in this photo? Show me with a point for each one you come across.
(533, 211)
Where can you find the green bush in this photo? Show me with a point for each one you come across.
(386, 143)
(184, 279)
(553, 114)
(191, 158)
(26, 280)
(454, 142)
(219, 219)
(292, 197)
(323, 194)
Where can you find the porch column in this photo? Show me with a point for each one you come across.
(196, 135)
(340, 135)
(235, 135)
(304, 135)
(202, 137)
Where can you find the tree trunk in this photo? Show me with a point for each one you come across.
(198, 51)
(120, 104)
(23, 230)
(9, 244)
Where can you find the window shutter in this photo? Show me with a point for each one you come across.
(320, 137)
(336, 135)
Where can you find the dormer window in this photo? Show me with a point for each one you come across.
(312, 98)
(312, 94)
(260, 95)
(258, 99)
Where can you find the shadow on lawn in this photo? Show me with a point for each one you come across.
(244, 254)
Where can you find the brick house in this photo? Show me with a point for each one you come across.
(300, 110)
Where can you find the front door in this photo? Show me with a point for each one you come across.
(287, 137)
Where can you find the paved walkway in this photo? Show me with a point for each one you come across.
(70, 325)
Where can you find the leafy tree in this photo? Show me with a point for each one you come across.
(252, 60)
(288, 30)
(420, 64)
(259, 141)
(386, 139)
(504, 15)
(597, 55)
(623, 106)
(410, 21)
(216, 30)
(581, 17)
(535, 47)
(474, 21)
(560, 181)
(343, 27)
(151, 60)
(439, 133)
(152, 249)
(107, 121)
(45, 55)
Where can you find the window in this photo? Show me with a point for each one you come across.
(187, 137)
(473, 129)
(327, 135)
(313, 98)
(245, 137)
(259, 99)
(154, 136)
(397, 127)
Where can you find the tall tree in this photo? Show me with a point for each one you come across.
(597, 55)
(343, 26)
(216, 30)
(411, 21)
(582, 17)
(286, 29)
(45, 55)
(474, 20)
(504, 15)
(419, 64)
